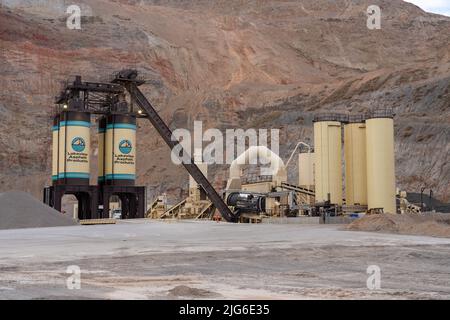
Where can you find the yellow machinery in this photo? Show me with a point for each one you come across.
(405, 206)
(355, 161)
(157, 208)
(195, 206)
(380, 161)
(328, 164)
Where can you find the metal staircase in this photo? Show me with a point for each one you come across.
(172, 210)
(295, 188)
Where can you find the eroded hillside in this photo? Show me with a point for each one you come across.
(259, 64)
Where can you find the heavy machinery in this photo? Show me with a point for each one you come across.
(247, 202)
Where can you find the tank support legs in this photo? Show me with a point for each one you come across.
(132, 199)
(87, 197)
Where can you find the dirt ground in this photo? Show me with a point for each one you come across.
(205, 260)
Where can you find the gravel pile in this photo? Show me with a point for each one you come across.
(435, 225)
(21, 210)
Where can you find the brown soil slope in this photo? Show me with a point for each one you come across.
(232, 64)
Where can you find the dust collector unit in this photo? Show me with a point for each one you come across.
(120, 150)
(74, 148)
(355, 161)
(380, 161)
(55, 149)
(328, 164)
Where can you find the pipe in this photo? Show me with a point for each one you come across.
(295, 149)
(277, 166)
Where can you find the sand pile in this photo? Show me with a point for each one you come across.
(436, 224)
(21, 210)
(185, 291)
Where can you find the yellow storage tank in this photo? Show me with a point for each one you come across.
(120, 150)
(74, 148)
(101, 149)
(328, 164)
(380, 161)
(55, 148)
(355, 161)
(306, 170)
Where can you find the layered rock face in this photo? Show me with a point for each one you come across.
(231, 64)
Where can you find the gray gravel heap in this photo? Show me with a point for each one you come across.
(21, 210)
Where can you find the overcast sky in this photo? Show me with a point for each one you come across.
(435, 6)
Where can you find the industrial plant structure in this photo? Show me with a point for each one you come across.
(117, 143)
(71, 173)
(364, 140)
(362, 144)
(368, 161)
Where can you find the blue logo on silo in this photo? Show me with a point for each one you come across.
(125, 146)
(78, 144)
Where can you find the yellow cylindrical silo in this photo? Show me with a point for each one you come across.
(380, 161)
(74, 148)
(355, 161)
(306, 170)
(328, 164)
(55, 148)
(120, 150)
